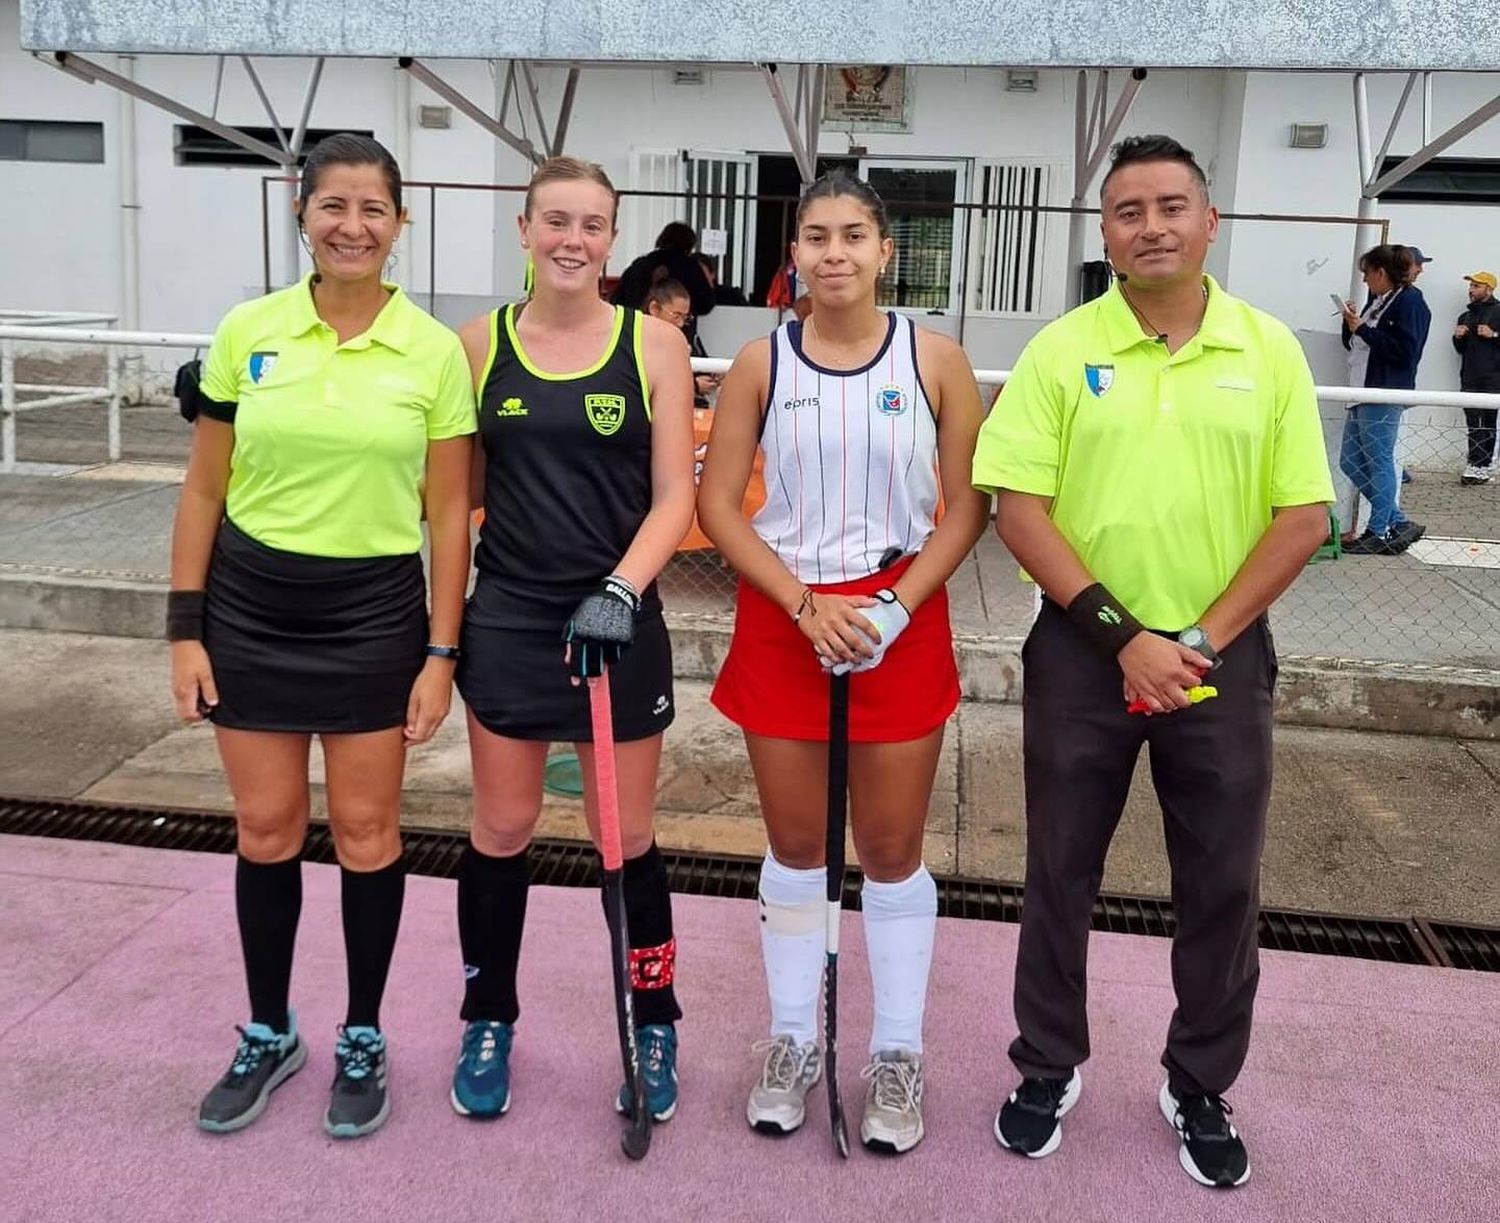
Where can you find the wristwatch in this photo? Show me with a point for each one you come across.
(1196, 639)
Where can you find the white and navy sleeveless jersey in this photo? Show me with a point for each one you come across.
(851, 458)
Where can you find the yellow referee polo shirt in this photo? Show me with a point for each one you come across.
(330, 439)
(1163, 469)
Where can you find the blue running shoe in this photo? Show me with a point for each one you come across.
(481, 1083)
(359, 1103)
(658, 1048)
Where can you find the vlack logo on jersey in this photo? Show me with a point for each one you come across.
(807, 401)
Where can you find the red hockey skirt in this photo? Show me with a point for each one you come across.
(772, 684)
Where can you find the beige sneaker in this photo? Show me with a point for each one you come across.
(893, 1104)
(778, 1102)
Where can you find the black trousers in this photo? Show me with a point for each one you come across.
(1481, 422)
(1211, 765)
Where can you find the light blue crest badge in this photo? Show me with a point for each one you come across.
(1100, 378)
(891, 401)
(261, 365)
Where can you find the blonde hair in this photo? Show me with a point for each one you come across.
(569, 170)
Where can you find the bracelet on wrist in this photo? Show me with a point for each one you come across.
(441, 651)
(805, 605)
(1103, 619)
(185, 615)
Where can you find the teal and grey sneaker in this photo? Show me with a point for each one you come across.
(360, 1102)
(264, 1060)
(658, 1048)
(481, 1083)
(778, 1101)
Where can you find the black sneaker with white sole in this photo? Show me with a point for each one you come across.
(1211, 1151)
(359, 1102)
(263, 1061)
(1030, 1121)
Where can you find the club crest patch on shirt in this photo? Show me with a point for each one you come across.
(1100, 378)
(261, 365)
(891, 400)
(605, 412)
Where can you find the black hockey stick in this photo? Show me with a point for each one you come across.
(838, 791)
(636, 1140)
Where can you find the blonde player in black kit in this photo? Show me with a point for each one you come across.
(586, 478)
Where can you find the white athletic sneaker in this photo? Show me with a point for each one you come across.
(1475, 475)
(778, 1101)
(893, 1103)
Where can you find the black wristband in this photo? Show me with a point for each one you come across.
(1103, 619)
(450, 652)
(184, 615)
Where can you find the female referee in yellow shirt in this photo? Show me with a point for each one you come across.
(333, 416)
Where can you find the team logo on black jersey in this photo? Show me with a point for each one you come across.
(261, 365)
(511, 406)
(891, 400)
(1100, 378)
(605, 412)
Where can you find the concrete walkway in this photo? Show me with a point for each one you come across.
(1375, 824)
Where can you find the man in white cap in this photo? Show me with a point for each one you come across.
(1477, 341)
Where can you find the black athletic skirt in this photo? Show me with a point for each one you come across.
(313, 644)
(515, 683)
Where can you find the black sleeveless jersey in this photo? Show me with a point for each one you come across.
(567, 477)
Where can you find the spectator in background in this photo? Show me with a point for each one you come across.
(671, 259)
(669, 301)
(1385, 343)
(1419, 262)
(724, 295)
(1477, 341)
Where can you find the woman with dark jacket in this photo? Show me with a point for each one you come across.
(1385, 343)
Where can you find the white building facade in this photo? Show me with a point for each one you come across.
(975, 136)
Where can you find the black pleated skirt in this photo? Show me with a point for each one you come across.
(313, 644)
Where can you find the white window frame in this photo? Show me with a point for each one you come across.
(1051, 245)
(736, 216)
(963, 170)
(651, 169)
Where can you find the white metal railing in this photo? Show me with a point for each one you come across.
(11, 334)
(50, 325)
(52, 318)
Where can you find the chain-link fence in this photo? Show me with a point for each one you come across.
(1432, 598)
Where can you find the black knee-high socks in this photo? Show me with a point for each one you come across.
(653, 949)
(491, 916)
(268, 903)
(372, 903)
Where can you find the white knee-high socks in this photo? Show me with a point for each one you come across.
(793, 940)
(900, 921)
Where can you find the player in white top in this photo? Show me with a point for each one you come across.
(868, 427)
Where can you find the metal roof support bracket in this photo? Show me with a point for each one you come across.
(480, 116)
(89, 72)
(806, 165)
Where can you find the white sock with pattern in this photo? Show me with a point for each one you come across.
(900, 922)
(793, 941)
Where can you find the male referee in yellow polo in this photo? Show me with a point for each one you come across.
(1162, 476)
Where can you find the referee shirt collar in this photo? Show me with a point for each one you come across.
(1219, 329)
(391, 328)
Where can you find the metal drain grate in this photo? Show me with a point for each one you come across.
(1473, 947)
(575, 864)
